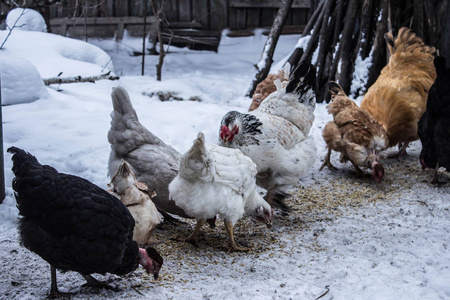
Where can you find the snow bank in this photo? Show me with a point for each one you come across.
(20, 81)
(53, 54)
(26, 19)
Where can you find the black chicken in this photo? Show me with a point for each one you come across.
(74, 224)
(434, 125)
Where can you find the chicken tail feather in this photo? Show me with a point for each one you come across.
(195, 163)
(335, 89)
(406, 41)
(122, 103)
(24, 162)
(127, 133)
(304, 74)
(302, 82)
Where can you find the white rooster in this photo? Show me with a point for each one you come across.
(218, 181)
(275, 135)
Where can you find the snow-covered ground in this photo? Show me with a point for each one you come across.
(346, 238)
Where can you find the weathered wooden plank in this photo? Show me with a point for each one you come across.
(241, 15)
(232, 19)
(197, 33)
(267, 16)
(72, 7)
(268, 3)
(108, 8)
(90, 31)
(122, 8)
(102, 21)
(192, 40)
(184, 11)
(253, 17)
(192, 25)
(91, 7)
(170, 10)
(218, 14)
(200, 12)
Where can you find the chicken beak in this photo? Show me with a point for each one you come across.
(155, 276)
(269, 224)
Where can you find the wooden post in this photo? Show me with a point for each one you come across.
(2, 165)
(144, 34)
(269, 47)
(445, 32)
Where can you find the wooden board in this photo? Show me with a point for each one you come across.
(268, 3)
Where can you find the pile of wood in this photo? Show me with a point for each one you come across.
(342, 30)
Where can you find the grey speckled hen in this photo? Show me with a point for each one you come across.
(152, 161)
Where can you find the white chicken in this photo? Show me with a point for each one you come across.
(136, 196)
(218, 181)
(275, 135)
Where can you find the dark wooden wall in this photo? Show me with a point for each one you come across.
(211, 14)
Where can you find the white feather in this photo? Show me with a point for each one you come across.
(224, 185)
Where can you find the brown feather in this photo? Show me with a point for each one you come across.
(265, 88)
(398, 98)
(353, 132)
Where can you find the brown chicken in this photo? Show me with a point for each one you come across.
(354, 133)
(398, 98)
(267, 86)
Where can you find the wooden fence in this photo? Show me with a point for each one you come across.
(211, 14)
(191, 22)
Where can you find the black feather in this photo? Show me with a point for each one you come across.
(249, 127)
(434, 125)
(70, 222)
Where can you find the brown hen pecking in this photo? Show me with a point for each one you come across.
(354, 133)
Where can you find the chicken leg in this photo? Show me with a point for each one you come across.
(359, 173)
(327, 162)
(233, 245)
(54, 292)
(435, 176)
(193, 237)
(401, 150)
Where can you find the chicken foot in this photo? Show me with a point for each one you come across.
(436, 175)
(233, 245)
(94, 283)
(327, 162)
(54, 292)
(192, 238)
(359, 173)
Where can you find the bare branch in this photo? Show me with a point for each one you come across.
(75, 79)
(11, 29)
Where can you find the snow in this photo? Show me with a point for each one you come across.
(360, 75)
(387, 242)
(25, 19)
(14, 70)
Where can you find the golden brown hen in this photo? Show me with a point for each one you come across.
(398, 98)
(354, 133)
